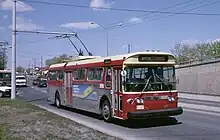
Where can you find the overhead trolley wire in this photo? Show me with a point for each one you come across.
(147, 14)
(124, 10)
(154, 19)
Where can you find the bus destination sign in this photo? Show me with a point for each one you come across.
(153, 58)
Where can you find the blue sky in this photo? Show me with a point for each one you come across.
(143, 34)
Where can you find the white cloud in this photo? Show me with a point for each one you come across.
(80, 25)
(5, 16)
(100, 4)
(135, 20)
(20, 6)
(23, 24)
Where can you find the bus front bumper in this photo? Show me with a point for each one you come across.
(155, 113)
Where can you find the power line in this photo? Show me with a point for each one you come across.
(145, 14)
(124, 10)
(129, 24)
(47, 33)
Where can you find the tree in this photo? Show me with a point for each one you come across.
(57, 59)
(20, 69)
(183, 52)
(196, 52)
(3, 58)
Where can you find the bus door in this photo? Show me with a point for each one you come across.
(68, 88)
(117, 97)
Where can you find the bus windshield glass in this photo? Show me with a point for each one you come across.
(5, 75)
(20, 78)
(156, 78)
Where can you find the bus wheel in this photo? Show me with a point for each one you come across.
(1, 94)
(57, 100)
(106, 111)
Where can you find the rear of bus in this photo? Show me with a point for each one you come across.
(149, 86)
(5, 77)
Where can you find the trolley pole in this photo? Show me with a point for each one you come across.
(13, 78)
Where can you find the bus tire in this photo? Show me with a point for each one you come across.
(1, 94)
(57, 100)
(106, 111)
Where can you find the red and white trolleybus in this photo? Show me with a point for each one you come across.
(131, 86)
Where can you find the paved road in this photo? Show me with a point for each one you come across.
(192, 125)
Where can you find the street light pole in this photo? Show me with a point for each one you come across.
(13, 77)
(106, 35)
(107, 42)
(107, 30)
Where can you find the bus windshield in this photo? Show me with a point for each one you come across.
(155, 78)
(5, 75)
(20, 78)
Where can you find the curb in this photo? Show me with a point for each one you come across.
(207, 94)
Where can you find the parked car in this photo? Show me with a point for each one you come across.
(42, 83)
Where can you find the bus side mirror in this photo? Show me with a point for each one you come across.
(123, 73)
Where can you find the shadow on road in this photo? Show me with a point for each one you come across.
(147, 123)
(135, 124)
(22, 86)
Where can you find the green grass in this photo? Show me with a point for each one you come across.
(3, 134)
(20, 120)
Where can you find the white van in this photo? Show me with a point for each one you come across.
(21, 80)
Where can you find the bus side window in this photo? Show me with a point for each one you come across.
(108, 78)
(60, 75)
(120, 81)
(79, 74)
(52, 75)
(95, 74)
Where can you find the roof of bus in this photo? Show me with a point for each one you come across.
(95, 59)
(5, 71)
(57, 65)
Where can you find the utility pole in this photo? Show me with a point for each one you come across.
(14, 31)
(13, 67)
(34, 64)
(107, 49)
(41, 62)
(129, 48)
(29, 66)
(107, 30)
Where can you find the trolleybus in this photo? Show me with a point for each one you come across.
(5, 77)
(138, 85)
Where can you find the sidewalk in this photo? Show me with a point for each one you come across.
(201, 103)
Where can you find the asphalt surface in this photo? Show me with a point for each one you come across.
(190, 126)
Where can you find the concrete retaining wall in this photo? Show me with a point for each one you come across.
(199, 78)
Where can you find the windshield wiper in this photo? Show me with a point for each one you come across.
(166, 83)
(146, 85)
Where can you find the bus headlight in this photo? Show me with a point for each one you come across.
(140, 101)
(170, 99)
(130, 101)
